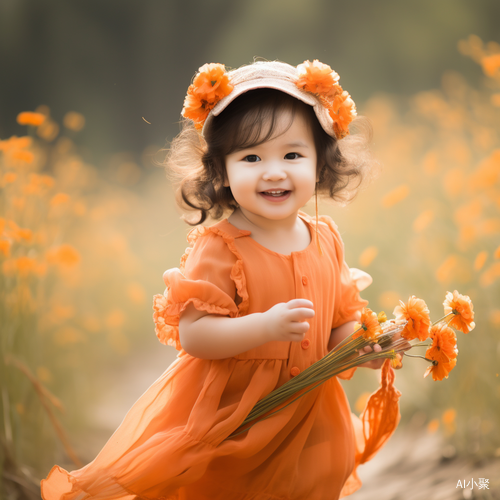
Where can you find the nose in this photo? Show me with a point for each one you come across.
(275, 171)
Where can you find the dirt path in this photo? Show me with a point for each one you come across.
(412, 467)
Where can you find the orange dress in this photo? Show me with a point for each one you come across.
(172, 443)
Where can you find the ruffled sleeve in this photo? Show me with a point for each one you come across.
(210, 277)
(351, 281)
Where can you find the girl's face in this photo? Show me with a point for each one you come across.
(284, 165)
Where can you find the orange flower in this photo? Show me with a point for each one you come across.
(74, 121)
(491, 64)
(367, 256)
(397, 362)
(461, 307)
(317, 78)
(24, 156)
(15, 143)
(480, 260)
(416, 313)
(444, 344)
(440, 370)
(65, 255)
(369, 323)
(382, 317)
(8, 178)
(342, 113)
(5, 247)
(59, 199)
(321, 80)
(209, 86)
(26, 266)
(395, 196)
(30, 118)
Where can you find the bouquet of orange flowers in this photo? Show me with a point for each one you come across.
(410, 328)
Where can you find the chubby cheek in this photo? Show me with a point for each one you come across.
(242, 182)
(307, 184)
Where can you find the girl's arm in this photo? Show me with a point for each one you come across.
(338, 334)
(210, 336)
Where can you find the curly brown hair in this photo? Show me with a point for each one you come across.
(196, 164)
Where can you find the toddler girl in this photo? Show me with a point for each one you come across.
(259, 297)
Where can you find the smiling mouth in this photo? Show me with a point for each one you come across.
(276, 196)
(276, 193)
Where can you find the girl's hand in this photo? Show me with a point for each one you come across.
(287, 321)
(375, 364)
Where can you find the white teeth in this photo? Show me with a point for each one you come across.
(274, 192)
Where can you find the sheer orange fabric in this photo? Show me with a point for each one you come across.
(173, 443)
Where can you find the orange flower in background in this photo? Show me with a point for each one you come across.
(209, 86)
(59, 199)
(423, 220)
(416, 313)
(23, 156)
(461, 307)
(26, 266)
(491, 64)
(65, 255)
(30, 118)
(444, 344)
(74, 121)
(395, 196)
(367, 256)
(317, 78)
(15, 143)
(5, 247)
(480, 260)
(48, 130)
(370, 324)
(8, 178)
(440, 370)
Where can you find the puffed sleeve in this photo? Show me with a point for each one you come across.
(350, 282)
(207, 280)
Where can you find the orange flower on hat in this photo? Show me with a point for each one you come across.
(317, 78)
(440, 370)
(320, 79)
(342, 112)
(444, 344)
(209, 86)
(416, 313)
(461, 307)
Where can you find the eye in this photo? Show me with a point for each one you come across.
(292, 156)
(251, 158)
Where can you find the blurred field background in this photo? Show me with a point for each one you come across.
(88, 222)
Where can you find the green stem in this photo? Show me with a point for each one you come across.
(420, 344)
(443, 318)
(341, 344)
(417, 356)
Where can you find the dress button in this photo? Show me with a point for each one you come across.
(305, 343)
(294, 371)
(304, 280)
